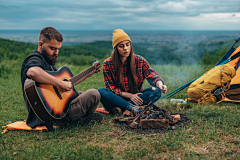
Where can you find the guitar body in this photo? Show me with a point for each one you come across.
(47, 101)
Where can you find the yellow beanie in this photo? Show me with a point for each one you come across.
(118, 36)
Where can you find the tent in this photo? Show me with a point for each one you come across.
(233, 93)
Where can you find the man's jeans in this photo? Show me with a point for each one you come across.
(111, 100)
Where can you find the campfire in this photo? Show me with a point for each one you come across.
(151, 118)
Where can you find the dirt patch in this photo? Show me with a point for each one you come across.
(152, 119)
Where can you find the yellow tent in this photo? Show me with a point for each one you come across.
(233, 93)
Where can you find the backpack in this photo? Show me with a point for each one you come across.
(205, 90)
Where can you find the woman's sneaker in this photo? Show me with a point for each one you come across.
(137, 109)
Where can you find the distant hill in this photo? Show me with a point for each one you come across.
(14, 50)
(185, 53)
(102, 44)
(108, 45)
(86, 50)
(15, 46)
(174, 53)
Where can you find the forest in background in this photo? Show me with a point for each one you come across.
(82, 54)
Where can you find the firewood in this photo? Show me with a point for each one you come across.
(133, 125)
(127, 113)
(144, 110)
(154, 123)
(177, 117)
(152, 117)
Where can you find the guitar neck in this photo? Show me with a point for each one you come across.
(82, 76)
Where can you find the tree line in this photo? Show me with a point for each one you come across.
(83, 54)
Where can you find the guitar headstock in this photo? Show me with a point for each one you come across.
(96, 64)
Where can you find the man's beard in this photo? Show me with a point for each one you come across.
(50, 59)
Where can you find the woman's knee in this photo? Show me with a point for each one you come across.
(104, 92)
(154, 90)
(158, 92)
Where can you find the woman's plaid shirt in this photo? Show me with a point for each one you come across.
(143, 70)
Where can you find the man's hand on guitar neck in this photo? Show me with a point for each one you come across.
(98, 70)
(39, 75)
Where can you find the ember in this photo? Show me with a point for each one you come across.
(151, 119)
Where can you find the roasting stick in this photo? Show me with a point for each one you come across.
(144, 110)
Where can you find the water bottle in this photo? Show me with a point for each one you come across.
(178, 101)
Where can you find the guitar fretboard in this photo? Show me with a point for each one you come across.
(77, 79)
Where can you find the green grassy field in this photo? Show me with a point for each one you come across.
(213, 131)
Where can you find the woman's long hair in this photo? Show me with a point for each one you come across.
(131, 70)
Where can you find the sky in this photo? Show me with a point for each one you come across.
(124, 14)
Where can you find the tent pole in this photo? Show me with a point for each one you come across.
(236, 42)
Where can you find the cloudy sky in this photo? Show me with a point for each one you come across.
(125, 14)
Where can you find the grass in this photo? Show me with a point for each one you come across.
(213, 131)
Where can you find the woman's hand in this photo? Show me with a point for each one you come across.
(161, 86)
(136, 99)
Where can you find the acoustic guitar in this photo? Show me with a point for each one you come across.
(49, 102)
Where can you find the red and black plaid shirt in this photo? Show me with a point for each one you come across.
(143, 70)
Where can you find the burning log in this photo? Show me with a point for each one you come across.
(154, 123)
(144, 110)
(152, 117)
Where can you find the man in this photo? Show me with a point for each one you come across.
(81, 109)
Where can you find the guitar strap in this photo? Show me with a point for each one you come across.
(53, 68)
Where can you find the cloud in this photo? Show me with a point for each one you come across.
(178, 7)
(215, 21)
(56, 19)
(108, 14)
(220, 17)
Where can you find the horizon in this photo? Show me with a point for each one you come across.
(140, 37)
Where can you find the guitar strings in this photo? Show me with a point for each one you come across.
(76, 78)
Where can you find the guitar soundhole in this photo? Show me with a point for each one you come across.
(65, 79)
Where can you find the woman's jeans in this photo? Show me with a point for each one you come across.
(111, 100)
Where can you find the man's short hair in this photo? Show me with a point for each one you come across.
(49, 33)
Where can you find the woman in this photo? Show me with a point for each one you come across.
(124, 73)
